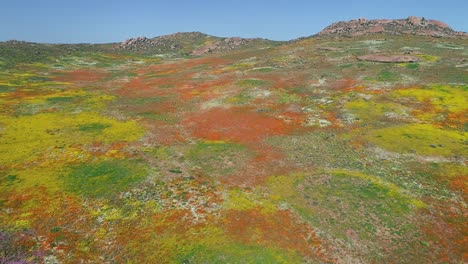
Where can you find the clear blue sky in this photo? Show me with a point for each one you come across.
(98, 21)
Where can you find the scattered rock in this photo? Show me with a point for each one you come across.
(315, 121)
(329, 49)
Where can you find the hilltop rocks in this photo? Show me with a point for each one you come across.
(388, 58)
(134, 42)
(411, 25)
(144, 43)
(362, 21)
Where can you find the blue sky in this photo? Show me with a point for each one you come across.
(99, 21)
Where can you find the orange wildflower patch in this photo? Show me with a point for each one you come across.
(455, 120)
(460, 183)
(236, 124)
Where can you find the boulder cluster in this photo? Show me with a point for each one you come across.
(134, 42)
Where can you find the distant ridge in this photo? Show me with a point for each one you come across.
(197, 43)
(411, 25)
(191, 43)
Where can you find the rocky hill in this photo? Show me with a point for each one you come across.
(190, 43)
(411, 25)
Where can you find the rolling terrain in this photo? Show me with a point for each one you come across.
(349, 146)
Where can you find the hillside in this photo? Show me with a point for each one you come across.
(190, 148)
(180, 44)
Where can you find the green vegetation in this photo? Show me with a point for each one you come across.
(387, 76)
(238, 253)
(93, 127)
(105, 178)
(251, 83)
(412, 66)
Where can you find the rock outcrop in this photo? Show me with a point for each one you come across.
(144, 43)
(411, 25)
